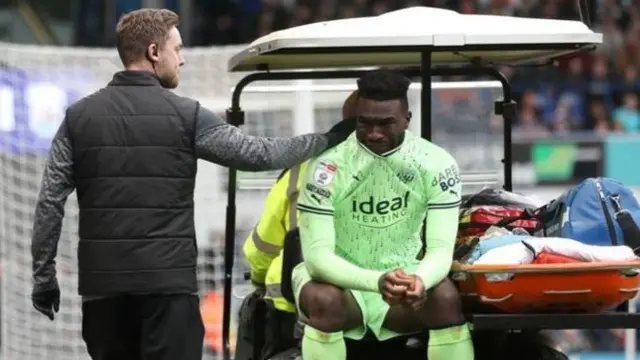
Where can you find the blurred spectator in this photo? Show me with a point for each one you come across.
(467, 7)
(600, 86)
(627, 116)
(630, 81)
(380, 7)
(328, 10)
(348, 11)
(218, 23)
(303, 14)
(529, 123)
(612, 36)
(572, 98)
(562, 121)
(599, 118)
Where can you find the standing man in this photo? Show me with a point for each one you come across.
(130, 151)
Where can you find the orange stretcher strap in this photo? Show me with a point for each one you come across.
(547, 268)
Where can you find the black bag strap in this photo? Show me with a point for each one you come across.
(526, 215)
(630, 230)
(291, 257)
(462, 252)
(607, 215)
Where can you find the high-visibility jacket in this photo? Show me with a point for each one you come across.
(263, 247)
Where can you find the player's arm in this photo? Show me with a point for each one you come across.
(57, 185)
(266, 239)
(318, 235)
(442, 222)
(221, 143)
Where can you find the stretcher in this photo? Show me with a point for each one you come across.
(589, 288)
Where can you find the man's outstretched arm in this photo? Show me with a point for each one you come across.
(57, 185)
(226, 145)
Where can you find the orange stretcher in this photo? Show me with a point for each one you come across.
(549, 288)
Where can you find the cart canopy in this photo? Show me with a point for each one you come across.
(397, 38)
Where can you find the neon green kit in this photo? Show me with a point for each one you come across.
(361, 214)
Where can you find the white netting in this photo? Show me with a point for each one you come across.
(31, 79)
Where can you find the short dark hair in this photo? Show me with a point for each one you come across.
(140, 28)
(383, 85)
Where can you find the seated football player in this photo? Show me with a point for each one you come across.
(362, 207)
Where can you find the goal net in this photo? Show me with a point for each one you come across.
(38, 83)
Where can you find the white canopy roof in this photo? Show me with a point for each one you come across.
(397, 39)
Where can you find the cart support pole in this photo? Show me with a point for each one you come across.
(509, 112)
(425, 95)
(235, 117)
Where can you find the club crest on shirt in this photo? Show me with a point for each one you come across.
(406, 176)
(324, 172)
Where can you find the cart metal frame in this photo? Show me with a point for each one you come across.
(505, 107)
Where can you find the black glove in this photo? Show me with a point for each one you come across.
(47, 301)
(341, 131)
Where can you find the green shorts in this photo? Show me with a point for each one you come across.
(373, 308)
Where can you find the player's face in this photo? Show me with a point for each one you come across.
(381, 124)
(170, 60)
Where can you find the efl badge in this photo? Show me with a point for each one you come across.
(325, 172)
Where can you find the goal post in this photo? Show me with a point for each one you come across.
(37, 83)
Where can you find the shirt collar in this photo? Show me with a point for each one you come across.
(134, 78)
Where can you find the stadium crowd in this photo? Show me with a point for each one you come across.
(596, 92)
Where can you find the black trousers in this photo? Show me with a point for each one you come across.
(145, 327)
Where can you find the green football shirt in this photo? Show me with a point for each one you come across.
(361, 213)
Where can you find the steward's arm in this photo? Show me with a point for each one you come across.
(318, 234)
(219, 142)
(442, 221)
(57, 185)
(266, 239)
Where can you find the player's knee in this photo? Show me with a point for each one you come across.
(447, 298)
(323, 305)
(444, 306)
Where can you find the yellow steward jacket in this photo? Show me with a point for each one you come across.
(263, 247)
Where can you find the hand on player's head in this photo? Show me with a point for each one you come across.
(349, 109)
(345, 126)
(393, 286)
